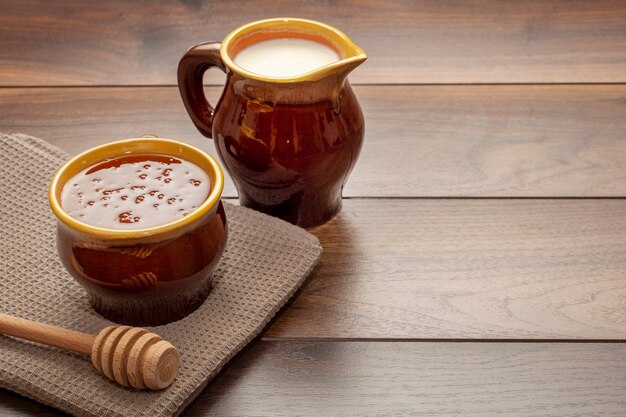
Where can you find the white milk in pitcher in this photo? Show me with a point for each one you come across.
(285, 57)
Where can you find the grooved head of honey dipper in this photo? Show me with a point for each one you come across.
(161, 362)
(135, 358)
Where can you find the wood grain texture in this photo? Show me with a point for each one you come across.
(44, 333)
(466, 269)
(400, 379)
(118, 42)
(14, 405)
(499, 141)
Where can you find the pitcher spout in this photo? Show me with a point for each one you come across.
(350, 57)
(347, 65)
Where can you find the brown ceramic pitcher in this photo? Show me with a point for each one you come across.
(288, 143)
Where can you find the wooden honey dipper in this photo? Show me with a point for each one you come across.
(131, 356)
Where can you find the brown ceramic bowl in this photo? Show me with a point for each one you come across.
(147, 276)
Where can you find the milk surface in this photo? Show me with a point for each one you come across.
(285, 57)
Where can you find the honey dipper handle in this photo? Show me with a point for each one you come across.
(46, 334)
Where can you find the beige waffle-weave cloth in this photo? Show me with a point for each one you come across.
(264, 263)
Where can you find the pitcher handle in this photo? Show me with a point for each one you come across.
(191, 69)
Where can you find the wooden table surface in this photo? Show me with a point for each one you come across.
(478, 266)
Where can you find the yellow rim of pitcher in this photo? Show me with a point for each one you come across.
(354, 54)
(138, 146)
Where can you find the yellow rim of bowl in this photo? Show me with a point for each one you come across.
(123, 147)
(354, 53)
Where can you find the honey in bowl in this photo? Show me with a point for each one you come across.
(141, 227)
(135, 192)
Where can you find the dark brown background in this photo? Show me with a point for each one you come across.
(478, 265)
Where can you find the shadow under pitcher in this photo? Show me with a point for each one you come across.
(289, 140)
